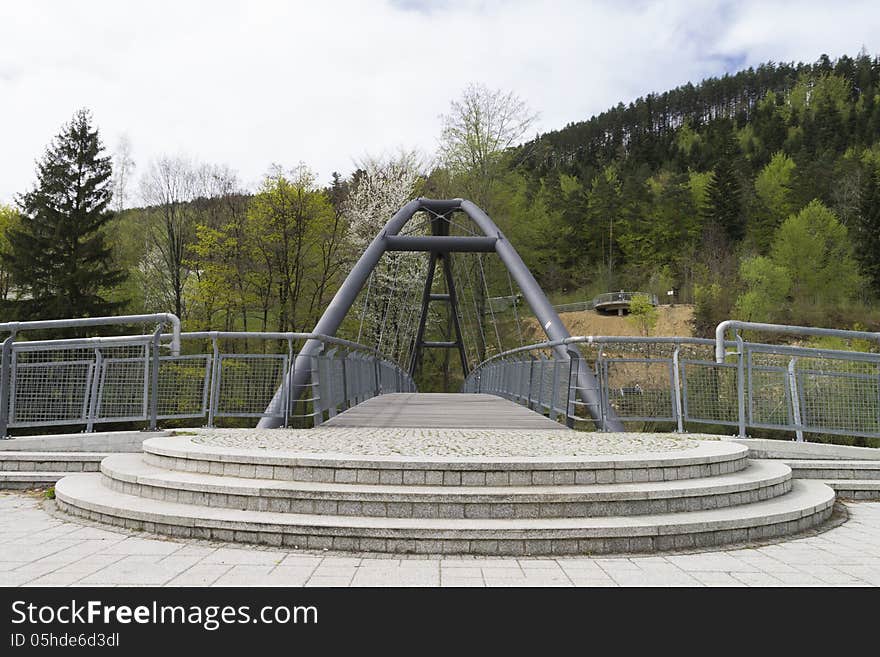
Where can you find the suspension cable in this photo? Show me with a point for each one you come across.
(405, 306)
(477, 316)
(489, 301)
(515, 311)
(460, 308)
(366, 299)
(390, 303)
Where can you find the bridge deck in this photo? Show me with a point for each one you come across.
(441, 411)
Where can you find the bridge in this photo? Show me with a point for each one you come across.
(423, 286)
(554, 443)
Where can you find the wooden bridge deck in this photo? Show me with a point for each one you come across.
(442, 411)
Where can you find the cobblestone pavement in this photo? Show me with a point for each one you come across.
(446, 442)
(39, 548)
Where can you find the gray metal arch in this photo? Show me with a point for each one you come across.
(388, 239)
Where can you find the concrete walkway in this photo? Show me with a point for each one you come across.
(442, 411)
(37, 548)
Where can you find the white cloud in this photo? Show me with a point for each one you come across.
(252, 83)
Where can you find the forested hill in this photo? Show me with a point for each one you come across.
(770, 98)
(753, 195)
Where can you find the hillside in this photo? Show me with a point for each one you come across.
(671, 320)
(754, 195)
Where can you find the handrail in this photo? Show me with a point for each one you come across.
(734, 324)
(598, 339)
(158, 318)
(281, 335)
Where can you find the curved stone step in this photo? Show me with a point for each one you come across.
(11, 461)
(127, 473)
(710, 458)
(855, 489)
(809, 503)
(15, 480)
(833, 469)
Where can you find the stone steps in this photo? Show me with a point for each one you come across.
(50, 461)
(702, 494)
(761, 480)
(855, 489)
(807, 504)
(833, 469)
(710, 458)
(12, 480)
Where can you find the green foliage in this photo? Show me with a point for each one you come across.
(723, 207)
(811, 264)
(642, 313)
(698, 183)
(713, 303)
(768, 287)
(9, 220)
(773, 189)
(868, 229)
(57, 256)
(814, 246)
(278, 259)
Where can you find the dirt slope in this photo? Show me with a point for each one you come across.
(672, 321)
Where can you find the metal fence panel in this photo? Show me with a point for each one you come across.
(640, 389)
(247, 383)
(184, 386)
(50, 387)
(709, 392)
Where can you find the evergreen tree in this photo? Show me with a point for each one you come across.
(57, 257)
(868, 229)
(723, 207)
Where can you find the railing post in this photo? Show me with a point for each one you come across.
(570, 393)
(5, 369)
(602, 382)
(531, 381)
(377, 377)
(285, 386)
(330, 396)
(154, 381)
(542, 360)
(318, 392)
(215, 383)
(676, 384)
(92, 408)
(344, 360)
(795, 400)
(740, 386)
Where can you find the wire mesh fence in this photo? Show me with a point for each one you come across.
(218, 377)
(678, 382)
(92, 381)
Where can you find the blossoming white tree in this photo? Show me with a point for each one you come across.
(389, 304)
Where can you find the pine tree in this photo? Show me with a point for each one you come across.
(57, 257)
(868, 229)
(723, 207)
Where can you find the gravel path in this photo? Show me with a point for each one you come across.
(446, 442)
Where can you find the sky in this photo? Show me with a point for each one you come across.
(253, 83)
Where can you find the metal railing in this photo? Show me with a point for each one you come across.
(603, 299)
(679, 382)
(89, 381)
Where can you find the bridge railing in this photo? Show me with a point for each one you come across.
(213, 375)
(604, 299)
(678, 382)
